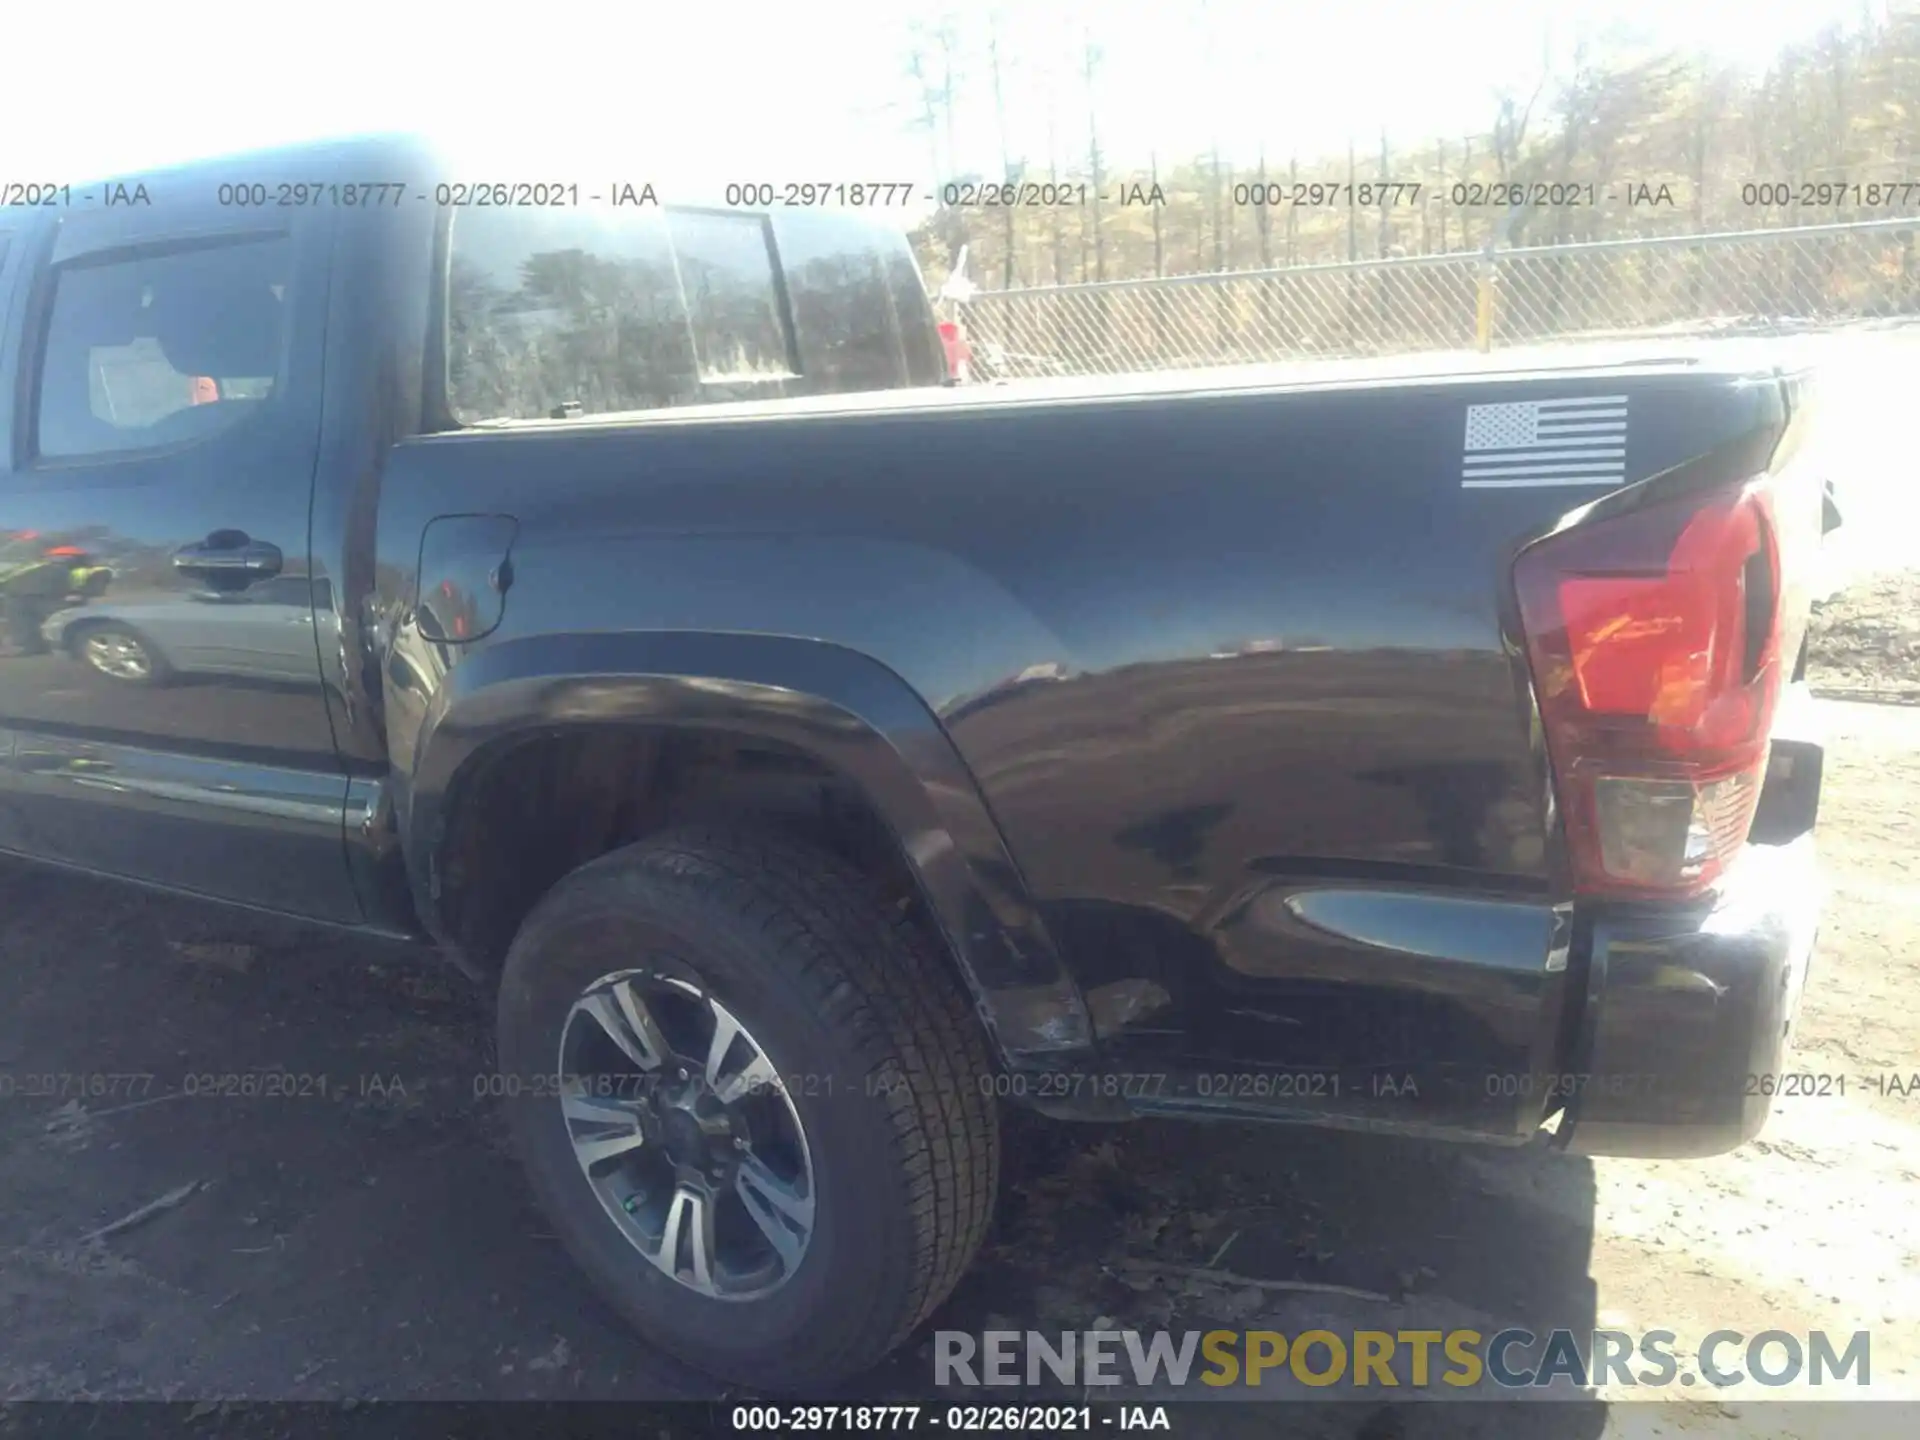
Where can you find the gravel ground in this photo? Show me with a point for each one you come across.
(1865, 642)
(368, 1236)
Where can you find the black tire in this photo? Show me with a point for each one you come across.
(153, 668)
(882, 1055)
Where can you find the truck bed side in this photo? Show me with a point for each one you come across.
(1234, 672)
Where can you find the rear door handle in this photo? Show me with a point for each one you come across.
(229, 553)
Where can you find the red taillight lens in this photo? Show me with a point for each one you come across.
(1655, 639)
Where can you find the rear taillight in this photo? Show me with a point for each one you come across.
(1656, 639)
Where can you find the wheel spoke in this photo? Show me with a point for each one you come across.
(645, 1028)
(618, 1122)
(597, 1109)
(689, 1215)
(621, 1012)
(757, 1074)
(592, 1152)
(784, 1215)
(116, 655)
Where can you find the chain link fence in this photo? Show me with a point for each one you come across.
(1746, 282)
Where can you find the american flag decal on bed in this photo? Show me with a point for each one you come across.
(1531, 443)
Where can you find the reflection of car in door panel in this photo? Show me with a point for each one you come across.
(264, 632)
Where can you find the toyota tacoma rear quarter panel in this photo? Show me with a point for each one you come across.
(1230, 669)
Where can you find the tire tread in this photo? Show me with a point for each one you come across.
(899, 1017)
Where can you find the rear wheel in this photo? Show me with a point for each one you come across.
(749, 1095)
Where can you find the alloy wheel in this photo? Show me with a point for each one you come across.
(687, 1135)
(116, 654)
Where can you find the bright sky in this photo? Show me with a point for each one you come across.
(798, 89)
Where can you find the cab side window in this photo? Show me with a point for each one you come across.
(726, 273)
(603, 311)
(161, 348)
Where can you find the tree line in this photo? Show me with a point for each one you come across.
(1619, 144)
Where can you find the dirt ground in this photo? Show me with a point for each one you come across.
(1866, 641)
(368, 1236)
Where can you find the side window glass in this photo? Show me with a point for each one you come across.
(609, 310)
(726, 274)
(841, 304)
(295, 590)
(551, 308)
(163, 348)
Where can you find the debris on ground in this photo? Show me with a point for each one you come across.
(228, 955)
(175, 1197)
(1229, 1280)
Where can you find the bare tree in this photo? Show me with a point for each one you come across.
(1090, 57)
(1353, 215)
(1427, 211)
(1466, 174)
(1353, 246)
(1509, 138)
(1056, 211)
(1216, 197)
(1840, 92)
(1263, 216)
(946, 38)
(1386, 220)
(1293, 211)
(1159, 243)
(931, 64)
(928, 119)
(1006, 159)
(1712, 100)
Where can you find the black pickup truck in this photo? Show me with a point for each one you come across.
(813, 756)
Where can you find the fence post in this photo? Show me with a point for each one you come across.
(1483, 297)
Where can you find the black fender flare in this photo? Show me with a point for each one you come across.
(844, 709)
